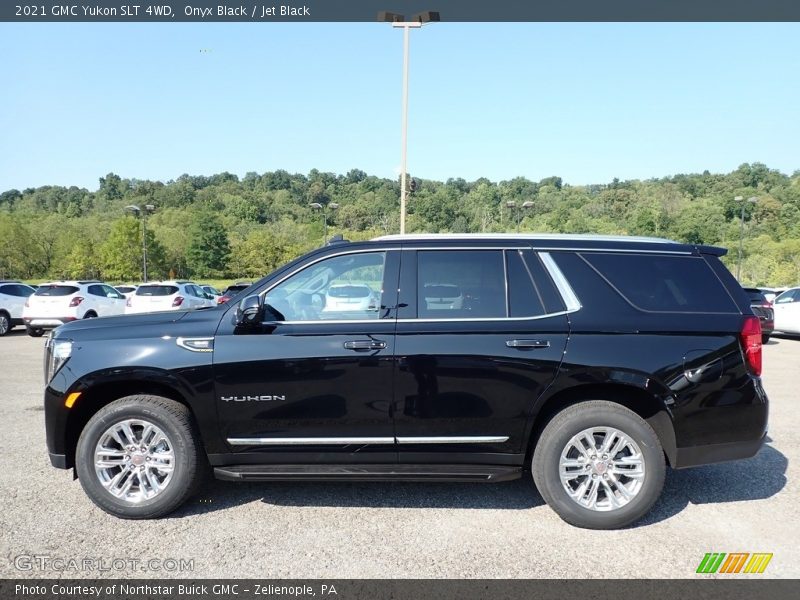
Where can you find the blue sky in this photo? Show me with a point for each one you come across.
(587, 102)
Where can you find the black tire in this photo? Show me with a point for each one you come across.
(90, 315)
(764, 338)
(555, 437)
(175, 420)
(34, 331)
(5, 324)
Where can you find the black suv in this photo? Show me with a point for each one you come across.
(592, 362)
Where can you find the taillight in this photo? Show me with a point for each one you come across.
(128, 302)
(222, 300)
(177, 301)
(75, 301)
(750, 338)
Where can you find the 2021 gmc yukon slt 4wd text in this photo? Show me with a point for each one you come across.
(593, 362)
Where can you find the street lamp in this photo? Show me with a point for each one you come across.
(139, 212)
(517, 214)
(321, 207)
(752, 200)
(398, 21)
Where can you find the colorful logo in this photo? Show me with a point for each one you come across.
(735, 562)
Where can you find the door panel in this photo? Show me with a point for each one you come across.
(468, 369)
(315, 386)
(468, 380)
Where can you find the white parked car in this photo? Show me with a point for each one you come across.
(443, 296)
(126, 290)
(211, 291)
(167, 295)
(12, 300)
(346, 297)
(59, 302)
(787, 311)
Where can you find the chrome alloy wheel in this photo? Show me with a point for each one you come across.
(134, 460)
(602, 468)
(4, 325)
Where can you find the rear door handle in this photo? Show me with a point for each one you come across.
(523, 344)
(365, 345)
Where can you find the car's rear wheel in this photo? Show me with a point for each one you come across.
(599, 465)
(5, 324)
(764, 338)
(139, 457)
(34, 331)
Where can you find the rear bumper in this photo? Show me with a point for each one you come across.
(695, 456)
(47, 322)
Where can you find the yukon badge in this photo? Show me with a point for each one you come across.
(251, 398)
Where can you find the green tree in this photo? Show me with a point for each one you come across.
(121, 253)
(209, 248)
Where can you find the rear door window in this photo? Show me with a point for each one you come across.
(461, 284)
(56, 290)
(660, 283)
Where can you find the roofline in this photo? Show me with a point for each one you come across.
(582, 237)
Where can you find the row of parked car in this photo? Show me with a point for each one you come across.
(777, 309)
(49, 305)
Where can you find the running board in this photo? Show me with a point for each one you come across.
(474, 473)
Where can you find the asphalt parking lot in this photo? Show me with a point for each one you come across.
(323, 530)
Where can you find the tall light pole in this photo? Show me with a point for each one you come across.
(142, 213)
(516, 212)
(398, 21)
(321, 207)
(752, 200)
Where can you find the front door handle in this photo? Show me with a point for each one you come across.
(365, 345)
(524, 344)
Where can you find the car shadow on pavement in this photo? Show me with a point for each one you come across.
(756, 478)
(512, 495)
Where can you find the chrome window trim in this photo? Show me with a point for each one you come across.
(346, 441)
(564, 288)
(570, 307)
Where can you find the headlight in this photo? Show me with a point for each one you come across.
(57, 353)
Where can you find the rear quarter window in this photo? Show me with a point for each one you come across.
(659, 283)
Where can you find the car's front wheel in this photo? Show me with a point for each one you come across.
(139, 457)
(34, 331)
(599, 465)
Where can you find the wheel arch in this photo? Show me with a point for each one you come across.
(98, 396)
(644, 403)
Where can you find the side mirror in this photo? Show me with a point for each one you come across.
(249, 311)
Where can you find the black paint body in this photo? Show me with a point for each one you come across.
(449, 379)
